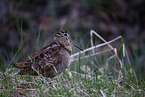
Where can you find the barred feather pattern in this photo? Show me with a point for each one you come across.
(51, 59)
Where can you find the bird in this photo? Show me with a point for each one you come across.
(51, 60)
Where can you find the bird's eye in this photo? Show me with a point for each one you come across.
(59, 33)
(65, 34)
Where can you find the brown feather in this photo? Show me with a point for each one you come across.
(51, 60)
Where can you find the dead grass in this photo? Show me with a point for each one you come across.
(101, 70)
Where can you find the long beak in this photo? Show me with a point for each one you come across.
(75, 45)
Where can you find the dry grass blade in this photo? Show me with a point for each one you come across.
(108, 43)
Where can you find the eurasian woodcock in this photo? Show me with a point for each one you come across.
(52, 59)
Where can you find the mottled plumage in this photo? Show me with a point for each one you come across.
(51, 59)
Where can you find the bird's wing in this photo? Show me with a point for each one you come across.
(48, 56)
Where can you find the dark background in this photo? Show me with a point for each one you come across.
(110, 18)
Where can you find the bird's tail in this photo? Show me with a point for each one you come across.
(23, 65)
(25, 68)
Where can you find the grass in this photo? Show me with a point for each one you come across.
(111, 76)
